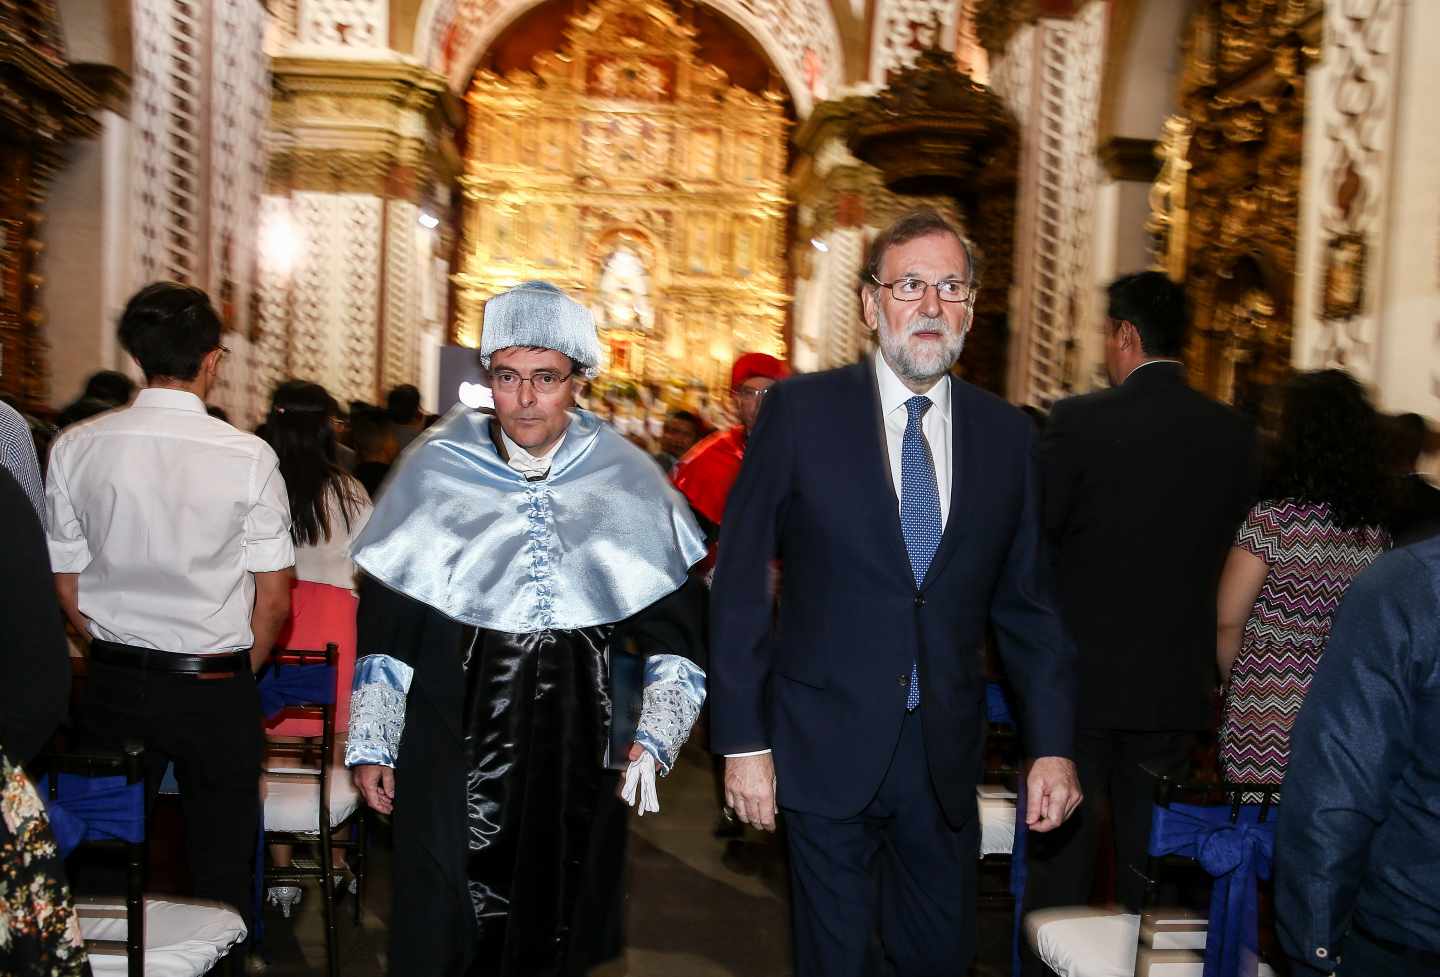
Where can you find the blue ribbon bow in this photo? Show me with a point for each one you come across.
(294, 685)
(93, 809)
(1236, 854)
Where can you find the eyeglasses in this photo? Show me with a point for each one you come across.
(542, 381)
(913, 289)
(756, 394)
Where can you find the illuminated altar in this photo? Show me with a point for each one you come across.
(637, 177)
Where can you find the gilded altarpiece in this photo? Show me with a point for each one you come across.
(636, 177)
(1225, 209)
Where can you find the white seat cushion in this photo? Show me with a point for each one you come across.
(292, 805)
(997, 819)
(1088, 942)
(182, 939)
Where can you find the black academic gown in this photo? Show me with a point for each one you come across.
(509, 837)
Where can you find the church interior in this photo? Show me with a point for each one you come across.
(352, 180)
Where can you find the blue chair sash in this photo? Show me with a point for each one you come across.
(93, 809)
(295, 685)
(1236, 854)
(997, 707)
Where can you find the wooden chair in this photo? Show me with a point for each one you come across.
(308, 795)
(1083, 941)
(126, 937)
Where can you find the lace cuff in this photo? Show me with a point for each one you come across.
(674, 693)
(377, 710)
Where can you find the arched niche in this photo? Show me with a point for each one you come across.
(799, 37)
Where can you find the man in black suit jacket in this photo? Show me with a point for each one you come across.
(1144, 485)
(903, 506)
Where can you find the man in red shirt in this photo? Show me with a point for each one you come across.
(708, 470)
(705, 476)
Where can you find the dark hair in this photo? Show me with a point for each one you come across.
(169, 328)
(1155, 306)
(915, 224)
(299, 430)
(217, 412)
(110, 386)
(82, 409)
(369, 430)
(1327, 450)
(1405, 438)
(403, 403)
(688, 417)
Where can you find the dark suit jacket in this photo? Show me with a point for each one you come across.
(1145, 485)
(823, 682)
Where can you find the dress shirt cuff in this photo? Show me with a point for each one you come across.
(751, 753)
(68, 555)
(674, 693)
(377, 710)
(269, 555)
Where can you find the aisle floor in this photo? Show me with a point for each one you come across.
(698, 906)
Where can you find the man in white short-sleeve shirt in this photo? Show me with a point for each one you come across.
(170, 540)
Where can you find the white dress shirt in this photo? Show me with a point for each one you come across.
(935, 425)
(531, 466)
(328, 561)
(165, 513)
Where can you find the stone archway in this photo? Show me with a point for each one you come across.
(800, 37)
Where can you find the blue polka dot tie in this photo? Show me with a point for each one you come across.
(919, 510)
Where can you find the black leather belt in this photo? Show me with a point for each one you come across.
(1427, 958)
(151, 660)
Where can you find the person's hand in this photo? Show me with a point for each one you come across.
(750, 789)
(1053, 793)
(376, 783)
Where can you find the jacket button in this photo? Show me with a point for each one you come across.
(919, 600)
(902, 679)
(1321, 952)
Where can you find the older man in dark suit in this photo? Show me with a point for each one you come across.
(904, 507)
(1145, 484)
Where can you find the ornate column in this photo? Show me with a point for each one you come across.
(42, 105)
(343, 248)
(199, 101)
(1368, 295)
(1048, 72)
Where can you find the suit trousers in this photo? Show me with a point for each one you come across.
(1061, 864)
(896, 869)
(210, 728)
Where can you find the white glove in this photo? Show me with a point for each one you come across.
(640, 778)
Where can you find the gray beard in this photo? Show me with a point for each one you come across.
(919, 367)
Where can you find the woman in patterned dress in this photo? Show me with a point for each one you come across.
(1318, 525)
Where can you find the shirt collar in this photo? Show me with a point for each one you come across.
(166, 398)
(894, 393)
(524, 462)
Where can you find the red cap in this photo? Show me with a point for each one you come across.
(757, 365)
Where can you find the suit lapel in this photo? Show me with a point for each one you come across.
(962, 442)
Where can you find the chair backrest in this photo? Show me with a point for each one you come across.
(128, 762)
(1251, 803)
(312, 750)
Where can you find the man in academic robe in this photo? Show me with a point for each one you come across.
(514, 563)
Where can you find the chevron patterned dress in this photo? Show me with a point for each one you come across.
(1312, 561)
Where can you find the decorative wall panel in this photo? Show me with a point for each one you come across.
(1353, 120)
(904, 27)
(344, 23)
(799, 36)
(1050, 76)
(400, 363)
